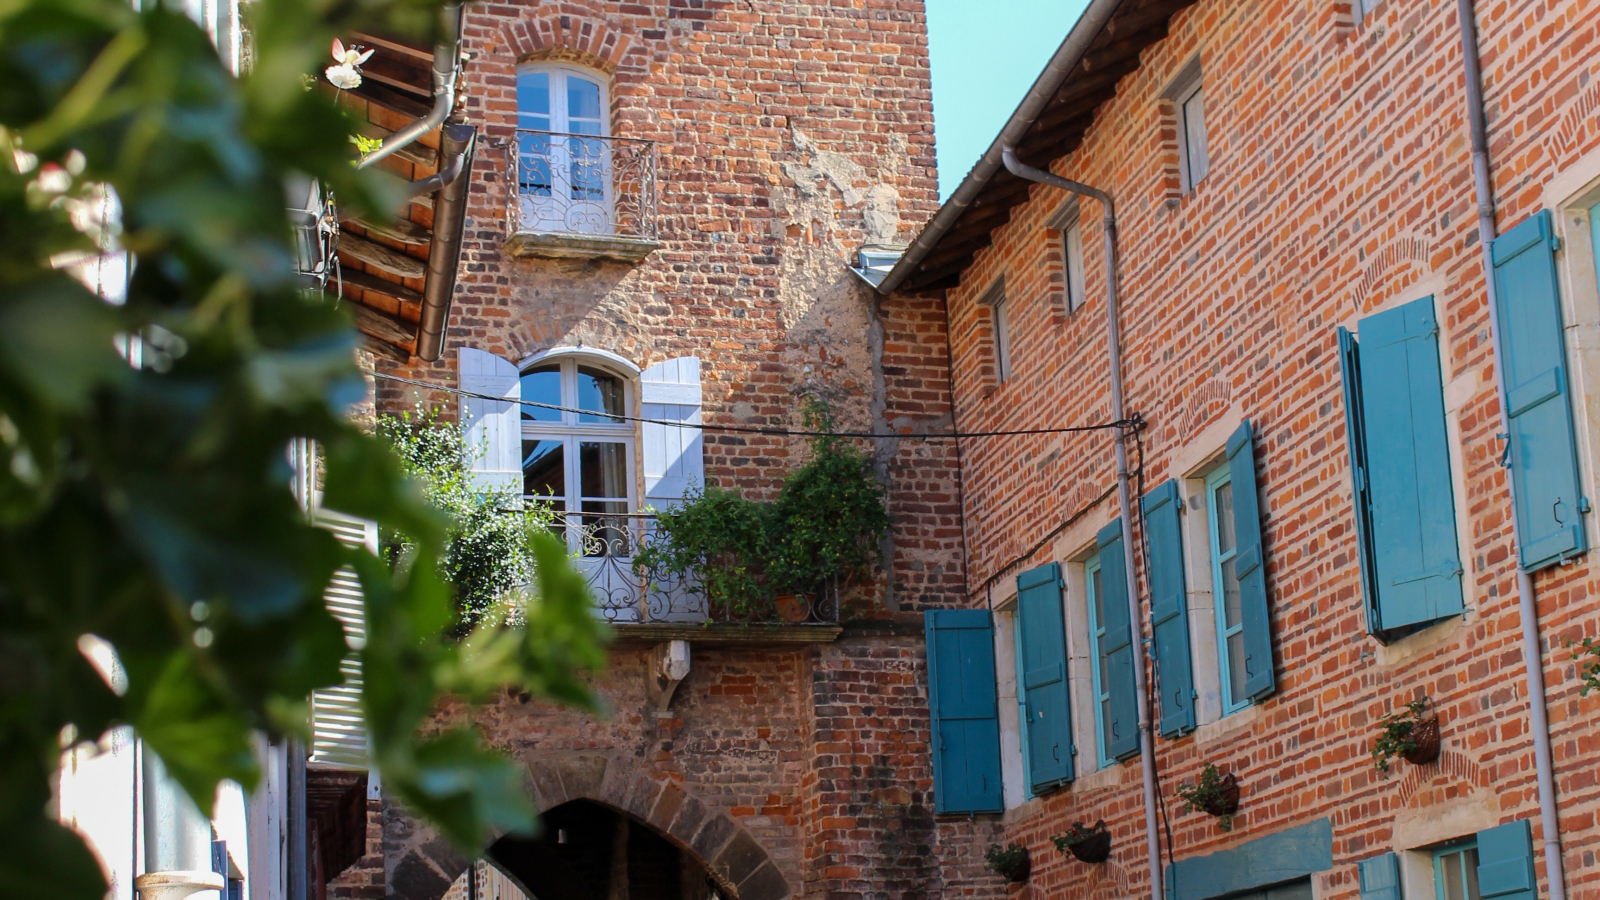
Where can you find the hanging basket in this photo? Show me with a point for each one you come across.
(1226, 801)
(1020, 874)
(1096, 848)
(1424, 740)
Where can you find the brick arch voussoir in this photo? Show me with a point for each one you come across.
(576, 39)
(1449, 764)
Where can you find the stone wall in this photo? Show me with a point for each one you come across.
(1340, 181)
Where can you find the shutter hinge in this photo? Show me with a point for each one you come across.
(1583, 504)
(1505, 455)
(1194, 694)
(1555, 243)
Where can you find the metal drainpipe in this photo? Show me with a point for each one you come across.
(444, 251)
(1124, 501)
(1527, 602)
(446, 58)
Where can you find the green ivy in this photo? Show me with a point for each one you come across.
(150, 506)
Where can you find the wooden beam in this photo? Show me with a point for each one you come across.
(374, 254)
(383, 326)
(400, 74)
(1082, 108)
(1053, 144)
(1124, 48)
(922, 280)
(404, 231)
(389, 98)
(1133, 22)
(390, 43)
(367, 281)
(383, 348)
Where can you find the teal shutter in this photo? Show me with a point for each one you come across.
(1505, 862)
(1250, 565)
(1408, 467)
(1043, 648)
(1543, 456)
(1380, 877)
(961, 699)
(1355, 438)
(1121, 725)
(1169, 608)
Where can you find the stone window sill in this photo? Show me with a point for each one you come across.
(560, 245)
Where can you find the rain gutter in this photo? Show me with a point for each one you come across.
(446, 58)
(456, 143)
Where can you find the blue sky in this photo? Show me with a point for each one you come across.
(986, 54)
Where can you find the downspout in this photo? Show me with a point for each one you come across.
(1527, 603)
(444, 251)
(1124, 501)
(446, 57)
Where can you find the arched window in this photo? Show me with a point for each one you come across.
(580, 461)
(565, 185)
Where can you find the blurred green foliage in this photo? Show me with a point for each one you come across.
(136, 502)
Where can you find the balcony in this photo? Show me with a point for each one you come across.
(652, 606)
(579, 196)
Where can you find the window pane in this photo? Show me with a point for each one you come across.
(606, 528)
(542, 385)
(1451, 884)
(602, 470)
(1232, 609)
(1469, 869)
(1099, 608)
(1002, 340)
(1074, 265)
(1194, 132)
(1236, 673)
(583, 102)
(544, 471)
(533, 100)
(601, 393)
(1225, 531)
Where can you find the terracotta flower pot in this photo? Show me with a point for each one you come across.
(1226, 802)
(1096, 848)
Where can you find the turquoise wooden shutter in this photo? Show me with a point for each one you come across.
(1121, 725)
(1356, 439)
(1169, 608)
(1250, 565)
(1543, 456)
(1505, 862)
(1408, 467)
(961, 699)
(1043, 649)
(1380, 877)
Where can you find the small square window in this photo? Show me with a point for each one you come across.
(1072, 260)
(1192, 127)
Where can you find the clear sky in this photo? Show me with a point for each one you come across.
(986, 54)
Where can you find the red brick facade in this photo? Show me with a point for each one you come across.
(1340, 183)
(788, 135)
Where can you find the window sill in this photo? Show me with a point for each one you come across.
(562, 245)
(624, 633)
(1228, 729)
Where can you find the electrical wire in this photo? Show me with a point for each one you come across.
(773, 432)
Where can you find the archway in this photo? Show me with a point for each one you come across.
(588, 851)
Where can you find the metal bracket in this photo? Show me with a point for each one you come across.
(669, 665)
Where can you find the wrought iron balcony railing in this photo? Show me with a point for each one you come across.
(581, 185)
(622, 594)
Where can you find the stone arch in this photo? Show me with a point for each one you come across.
(1455, 767)
(419, 865)
(1407, 256)
(568, 38)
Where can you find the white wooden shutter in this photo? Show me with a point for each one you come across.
(494, 429)
(673, 456)
(338, 729)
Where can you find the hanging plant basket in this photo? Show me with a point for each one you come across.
(1225, 802)
(1093, 847)
(1424, 740)
(1011, 862)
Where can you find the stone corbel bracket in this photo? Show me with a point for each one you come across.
(669, 665)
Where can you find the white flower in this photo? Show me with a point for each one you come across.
(53, 179)
(343, 77)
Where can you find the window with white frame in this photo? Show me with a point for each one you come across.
(562, 171)
(580, 458)
(1072, 261)
(1225, 580)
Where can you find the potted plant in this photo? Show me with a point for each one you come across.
(1214, 793)
(1010, 863)
(1090, 844)
(716, 540)
(1412, 734)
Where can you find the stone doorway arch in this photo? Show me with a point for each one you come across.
(418, 865)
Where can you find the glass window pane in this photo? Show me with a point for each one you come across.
(1236, 671)
(542, 385)
(544, 471)
(1469, 871)
(602, 469)
(583, 102)
(533, 100)
(600, 392)
(605, 528)
(1194, 131)
(1002, 340)
(1099, 608)
(1451, 885)
(1225, 532)
(1232, 609)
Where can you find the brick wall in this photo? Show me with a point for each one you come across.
(788, 134)
(1340, 181)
